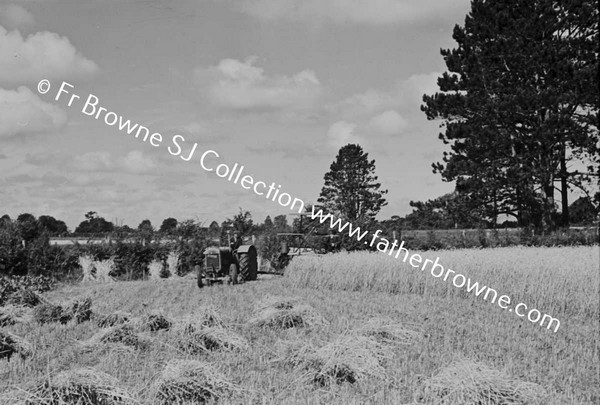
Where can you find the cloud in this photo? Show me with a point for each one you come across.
(44, 158)
(342, 133)
(23, 113)
(240, 85)
(388, 123)
(195, 128)
(404, 95)
(368, 102)
(53, 179)
(3, 156)
(363, 12)
(91, 179)
(43, 55)
(13, 16)
(20, 179)
(135, 162)
(95, 162)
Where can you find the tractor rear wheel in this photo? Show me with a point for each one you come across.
(248, 266)
(233, 273)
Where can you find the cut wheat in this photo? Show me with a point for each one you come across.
(84, 386)
(191, 382)
(471, 383)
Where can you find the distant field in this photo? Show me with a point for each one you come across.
(348, 290)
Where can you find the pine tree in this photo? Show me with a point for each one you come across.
(519, 104)
(351, 189)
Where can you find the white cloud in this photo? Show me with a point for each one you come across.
(342, 133)
(388, 123)
(135, 162)
(22, 112)
(372, 12)
(404, 95)
(13, 16)
(240, 85)
(43, 55)
(195, 128)
(369, 102)
(95, 161)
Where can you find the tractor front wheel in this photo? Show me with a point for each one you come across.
(233, 273)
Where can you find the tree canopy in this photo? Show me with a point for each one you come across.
(168, 226)
(94, 225)
(52, 226)
(351, 189)
(519, 106)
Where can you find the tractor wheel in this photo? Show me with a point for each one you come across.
(233, 273)
(200, 285)
(248, 266)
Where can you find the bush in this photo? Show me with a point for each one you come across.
(132, 259)
(25, 288)
(13, 254)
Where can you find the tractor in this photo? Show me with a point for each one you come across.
(233, 265)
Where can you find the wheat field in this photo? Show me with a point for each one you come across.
(353, 328)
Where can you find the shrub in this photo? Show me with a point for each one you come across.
(132, 259)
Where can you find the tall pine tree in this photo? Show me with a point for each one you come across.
(519, 105)
(351, 190)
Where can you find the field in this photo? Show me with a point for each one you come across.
(437, 343)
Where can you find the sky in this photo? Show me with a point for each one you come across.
(278, 86)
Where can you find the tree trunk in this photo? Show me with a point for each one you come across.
(548, 215)
(564, 188)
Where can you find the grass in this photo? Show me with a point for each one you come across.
(427, 328)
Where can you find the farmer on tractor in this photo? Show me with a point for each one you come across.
(234, 264)
(236, 242)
